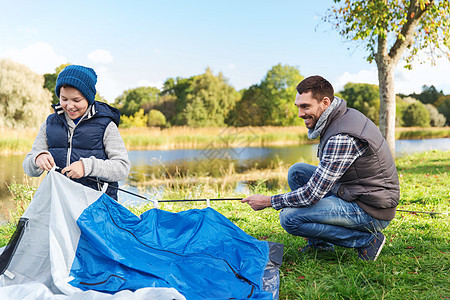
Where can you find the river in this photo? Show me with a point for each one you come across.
(193, 161)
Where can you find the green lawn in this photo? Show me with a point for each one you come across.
(414, 264)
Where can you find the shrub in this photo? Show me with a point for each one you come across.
(156, 118)
(416, 114)
(436, 119)
(443, 107)
(139, 119)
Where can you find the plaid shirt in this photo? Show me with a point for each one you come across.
(338, 154)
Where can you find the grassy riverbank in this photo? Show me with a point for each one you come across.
(415, 263)
(19, 141)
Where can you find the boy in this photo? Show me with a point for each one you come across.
(81, 137)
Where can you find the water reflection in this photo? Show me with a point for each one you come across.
(289, 153)
(11, 172)
(214, 162)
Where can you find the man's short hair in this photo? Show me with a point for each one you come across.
(318, 86)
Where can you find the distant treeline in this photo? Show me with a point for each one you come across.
(208, 100)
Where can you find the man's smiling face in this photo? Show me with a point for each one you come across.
(310, 109)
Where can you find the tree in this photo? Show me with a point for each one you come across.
(363, 97)
(166, 104)
(416, 115)
(196, 114)
(201, 100)
(250, 110)
(177, 89)
(391, 30)
(50, 81)
(429, 95)
(272, 101)
(279, 87)
(24, 102)
(131, 101)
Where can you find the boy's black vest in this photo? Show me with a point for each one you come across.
(86, 140)
(372, 179)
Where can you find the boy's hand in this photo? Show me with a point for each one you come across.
(75, 170)
(45, 161)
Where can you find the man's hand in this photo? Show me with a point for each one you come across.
(75, 170)
(45, 161)
(258, 202)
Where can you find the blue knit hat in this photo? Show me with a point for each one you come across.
(81, 78)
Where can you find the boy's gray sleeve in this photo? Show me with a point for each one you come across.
(39, 146)
(117, 166)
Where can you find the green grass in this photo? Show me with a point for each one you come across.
(414, 264)
(407, 133)
(16, 141)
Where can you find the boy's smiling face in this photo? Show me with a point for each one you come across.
(73, 102)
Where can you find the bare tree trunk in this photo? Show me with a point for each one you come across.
(387, 101)
(386, 62)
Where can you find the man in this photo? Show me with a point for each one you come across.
(352, 194)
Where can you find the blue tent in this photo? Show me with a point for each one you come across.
(78, 242)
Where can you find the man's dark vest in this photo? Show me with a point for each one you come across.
(372, 179)
(86, 141)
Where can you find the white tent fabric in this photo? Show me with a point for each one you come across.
(40, 267)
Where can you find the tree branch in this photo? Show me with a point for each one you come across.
(412, 21)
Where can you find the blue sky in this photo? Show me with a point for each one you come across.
(139, 43)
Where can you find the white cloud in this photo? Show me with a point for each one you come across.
(406, 81)
(143, 82)
(409, 81)
(363, 76)
(39, 57)
(107, 86)
(28, 30)
(232, 66)
(100, 56)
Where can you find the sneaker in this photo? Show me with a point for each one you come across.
(325, 247)
(373, 249)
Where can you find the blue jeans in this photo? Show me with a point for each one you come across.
(331, 220)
